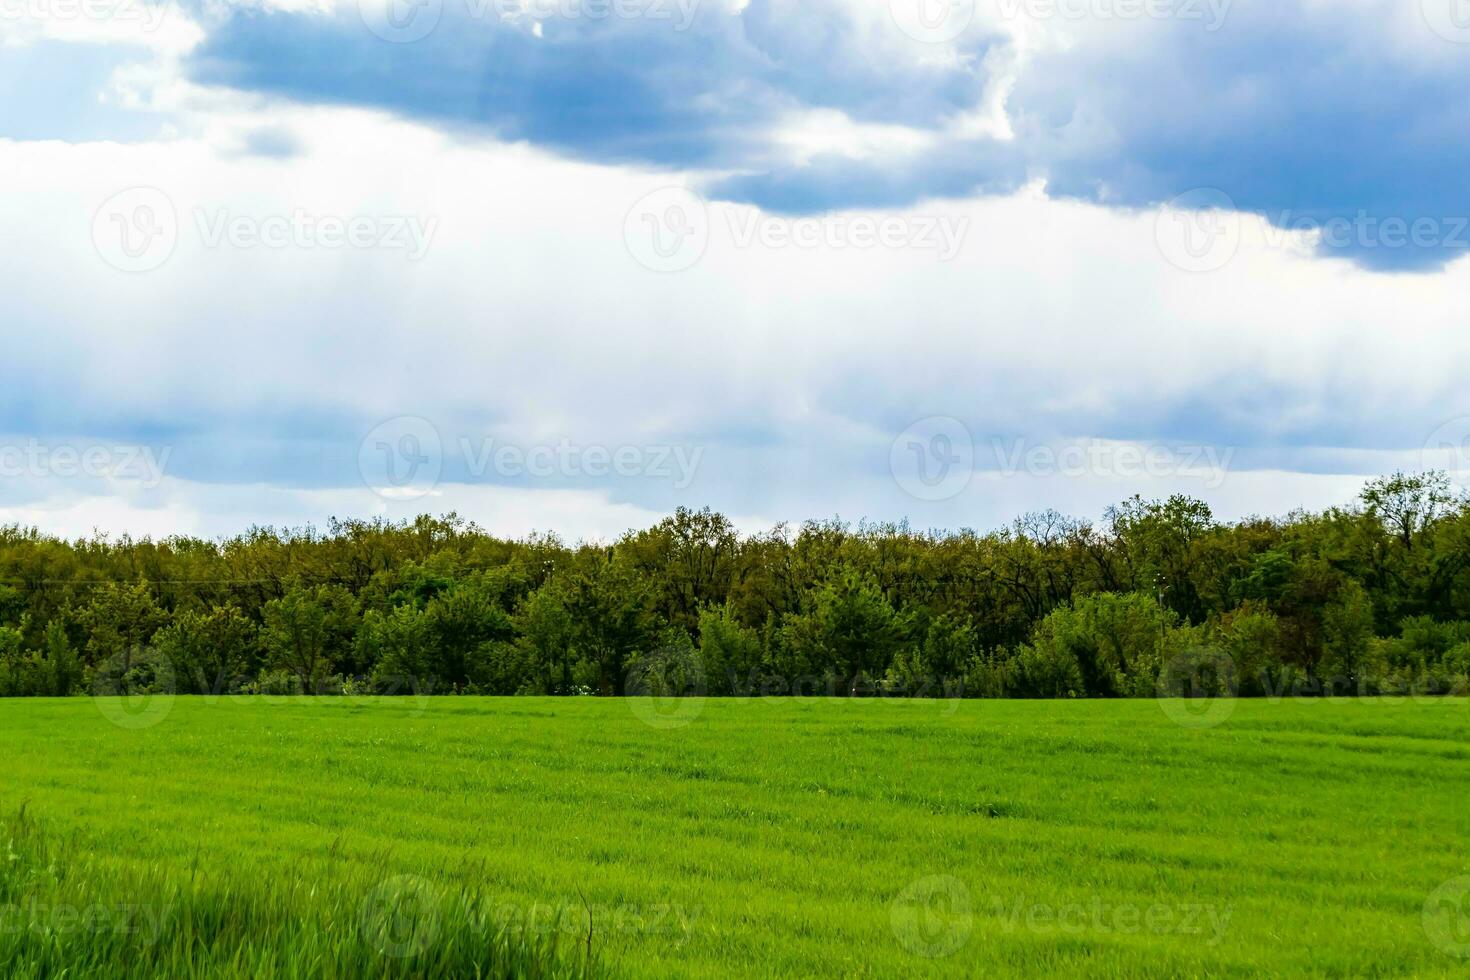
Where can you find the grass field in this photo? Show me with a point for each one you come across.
(834, 838)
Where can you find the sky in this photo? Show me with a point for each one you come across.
(566, 265)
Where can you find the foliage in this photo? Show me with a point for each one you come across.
(69, 913)
(1372, 597)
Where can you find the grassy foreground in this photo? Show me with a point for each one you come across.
(347, 837)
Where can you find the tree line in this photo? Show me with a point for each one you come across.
(1371, 597)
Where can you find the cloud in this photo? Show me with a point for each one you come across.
(815, 325)
(646, 88)
(1340, 118)
(272, 142)
(1315, 115)
(790, 366)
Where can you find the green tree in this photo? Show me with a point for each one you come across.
(398, 648)
(1250, 636)
(211, 652)
(309, 632)
(1409, 505)
(730, 655)
(689, 559)
(1116, 640)
(466, 625)
(612, 614)
(546, 634)
(850, 633)
(120, 621)
(1347, 626)
(61, 669)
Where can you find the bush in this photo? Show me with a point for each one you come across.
(731, 655)
(1107, 645)
(55, 671)
(1050, 671)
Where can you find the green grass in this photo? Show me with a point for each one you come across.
(67, 913)
(868, 838)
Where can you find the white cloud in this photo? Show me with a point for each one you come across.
(529, 320)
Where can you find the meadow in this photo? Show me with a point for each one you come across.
(769, 837)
